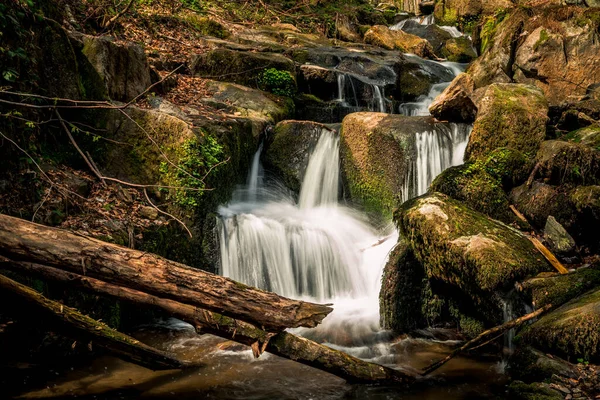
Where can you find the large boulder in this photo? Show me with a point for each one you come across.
(572, 330)
(455, 104)
(451, 12)
(539, 200)
(383, 36)
(123, 67)
(243, 67)
(474, 256)
(512, 116)
(459, 49)
(435, 35)
(555, 49)
(289, 150)
(247, 102)
(566, 162)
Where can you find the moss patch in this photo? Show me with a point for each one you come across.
(565, 162)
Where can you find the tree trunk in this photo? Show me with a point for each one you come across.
(72, 323)
(21, 240)
(283, 344)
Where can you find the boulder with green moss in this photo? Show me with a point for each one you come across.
(559, 289)
(513, 116)
(243, 67)
(518, 390)
(247, 102)
(540, 200)
(588, 136)
(123, 67)
(572, 330)
(289, 150)
(453, 12)
(459, 49)
(401, 294)
(566, 162)
(475, 256)
(383, 36)
(530, 365)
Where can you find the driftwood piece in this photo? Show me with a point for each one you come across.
(283, 344)
(494, 332)
(21, 240)
(71, 322)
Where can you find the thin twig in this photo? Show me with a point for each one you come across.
(167, 214)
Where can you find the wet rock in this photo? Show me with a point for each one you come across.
(242, 67)
(459, 49)
(535, 391)
(510, 115)
(559, 239)
(435, 35)
(400, 298)
(573, 330)
(123, 67)
(565, 162)
(455, 104)
(311, 108)
(248, 102)
(318, 81)
(289, 150)
(473, 255)
(415, 78)
(382, 36)
(531, 365)
(559, 289)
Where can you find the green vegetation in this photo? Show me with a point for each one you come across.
(488, 29)
(278, 82)
(543, 38)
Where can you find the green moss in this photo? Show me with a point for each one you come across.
(567, 162)
(489, 28)
(459, 50)
(543, 38)
(535, 391)
(281, 83)
(207, 26)
(510, 167)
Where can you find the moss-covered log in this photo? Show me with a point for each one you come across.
(283, 344)
(25, 241)
(71, 322)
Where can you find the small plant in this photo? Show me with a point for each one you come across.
(278, 82)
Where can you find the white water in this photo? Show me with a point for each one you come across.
(423, 20)
(346, 84)
(437, 150)
(452, 30)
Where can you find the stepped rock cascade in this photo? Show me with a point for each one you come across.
(374, 91)
(423, 20)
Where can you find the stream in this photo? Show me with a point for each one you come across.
(312, 247)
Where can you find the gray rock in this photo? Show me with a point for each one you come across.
(559, 239)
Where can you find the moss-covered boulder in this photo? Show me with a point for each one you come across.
(289, 150)
(243, 67)
(540, 200)
(473, 185)
(453, 12)
(383, 36)
(459, 49)
(123, 67)
(475, 255)
(251, 103)
(566, 162)
(559, 289)
(402, 286)
(533, 391)
(530, 365)
(571, 331)
(455, 103)
(588, 136)
(511, 116)
(586, 200)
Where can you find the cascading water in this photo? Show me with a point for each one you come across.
(440, 148)
(347, 85)
(422, 20)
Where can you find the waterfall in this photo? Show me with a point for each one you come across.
(378, 98)
(347, 82)
(255, 176)
(436, 150)
(422, 20)
(320, 185)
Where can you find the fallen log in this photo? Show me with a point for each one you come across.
(21, 240)
(82, 327)
(283, 344)
(474, 343)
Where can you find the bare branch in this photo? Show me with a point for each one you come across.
(167, 214)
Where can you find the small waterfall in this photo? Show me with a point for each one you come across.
(378, 98)
(452, 30)
(436, 150)
(422, 20)
(255, 176)
(347, 84)
(320, 185)
(421, 107)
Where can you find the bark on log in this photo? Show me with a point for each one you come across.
(21, 240)
(283, 344)
(71, 322)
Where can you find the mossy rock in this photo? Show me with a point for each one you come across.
(540, 200)
(589, 136)
(243, 67)
(559, 289)
(530, 365)
(383, 36)
(207, 26)
(248, 102)
(510, 167)
(511, 116)
(289, 150)
(534, 391)
(473, 185)
(467, 250)
(565, 162)
(586, 200)
(401, 295)
(571, 331)
(459, 49)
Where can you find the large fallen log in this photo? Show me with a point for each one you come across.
(74, 324)
(21, 240)
(283, 344)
